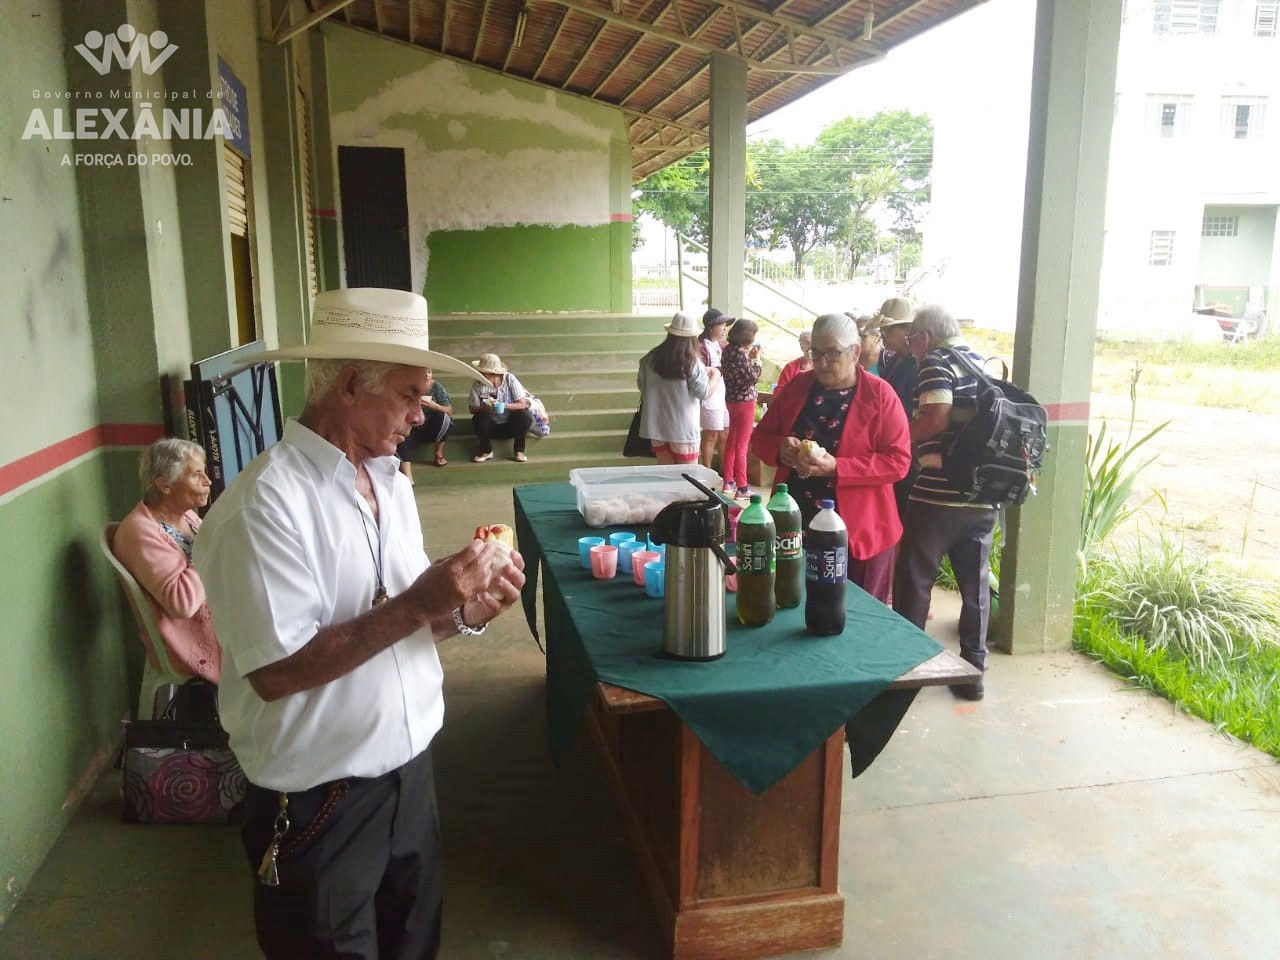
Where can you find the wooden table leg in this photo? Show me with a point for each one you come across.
(732, 874)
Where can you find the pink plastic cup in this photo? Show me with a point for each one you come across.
(638, 560)
(604, 561)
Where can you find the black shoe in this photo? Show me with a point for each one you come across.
(969, 691)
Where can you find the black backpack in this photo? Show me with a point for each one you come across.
(995, 457)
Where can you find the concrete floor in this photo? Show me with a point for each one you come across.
(1066, 816)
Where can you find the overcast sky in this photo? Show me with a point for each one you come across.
(944, 69)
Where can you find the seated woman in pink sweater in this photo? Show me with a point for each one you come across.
(154, 542)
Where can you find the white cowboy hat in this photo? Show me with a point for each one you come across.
(894, 311)
(369, 323)
(683, 325)
(490, 363)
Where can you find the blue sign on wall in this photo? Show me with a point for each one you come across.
(234, 106)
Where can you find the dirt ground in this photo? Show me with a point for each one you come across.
(1217, 469)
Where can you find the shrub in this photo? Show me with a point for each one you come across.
(1203, 611)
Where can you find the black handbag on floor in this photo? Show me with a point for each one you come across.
(636, 445)
(178, 768)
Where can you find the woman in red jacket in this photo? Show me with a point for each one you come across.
(839, 432)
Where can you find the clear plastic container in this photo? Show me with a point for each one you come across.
(617, 496)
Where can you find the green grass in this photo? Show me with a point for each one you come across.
(1238, 696)
(1253, 355)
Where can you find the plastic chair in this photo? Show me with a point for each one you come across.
(158, 668)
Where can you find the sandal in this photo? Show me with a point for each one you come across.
(441, 461)
(482, 457)
(520, 458)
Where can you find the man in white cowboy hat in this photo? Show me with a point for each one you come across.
(328, 612)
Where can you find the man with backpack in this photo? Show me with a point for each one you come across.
(941, 518)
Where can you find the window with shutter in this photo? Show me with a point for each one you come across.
(308, 202)
(237, 192)
(1264, 18)
(1160, 253)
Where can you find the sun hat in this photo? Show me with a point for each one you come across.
(490, 363)
(714, 316)
(683, 325)
(894, 311)
(370, 323)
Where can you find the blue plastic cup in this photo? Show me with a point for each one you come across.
(625, 550)
(499, 407)
(618, 539)
(584, 550)
(655, 578)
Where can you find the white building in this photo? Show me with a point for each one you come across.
(1194, 182)
(1193, 185)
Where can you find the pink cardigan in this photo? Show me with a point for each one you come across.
(875, 452)
(174, 589)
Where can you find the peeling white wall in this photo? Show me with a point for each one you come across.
(471, 187)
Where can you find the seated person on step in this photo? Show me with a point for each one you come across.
(438, 410)
(499, 408)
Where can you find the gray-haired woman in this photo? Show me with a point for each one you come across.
(860, 447)
(154, 543)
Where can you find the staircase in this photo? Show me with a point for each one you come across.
(582, 366)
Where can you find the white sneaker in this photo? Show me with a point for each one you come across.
(482, 457)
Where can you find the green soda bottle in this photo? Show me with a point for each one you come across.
(788, 584)
(756, 540)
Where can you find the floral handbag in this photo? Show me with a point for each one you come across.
(179, 768)
(179, 773)
(541, 420)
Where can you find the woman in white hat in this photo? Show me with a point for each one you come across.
(499, 408)
(673, 381)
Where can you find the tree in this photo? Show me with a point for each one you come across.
(679, 196)
(801, 199)
(889, 159)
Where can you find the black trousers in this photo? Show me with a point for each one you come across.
(360, 874)
(517, 428)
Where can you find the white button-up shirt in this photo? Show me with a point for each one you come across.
(286, 550)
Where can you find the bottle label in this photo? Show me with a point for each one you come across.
(788, 546)
(755, 558)
(826, 565)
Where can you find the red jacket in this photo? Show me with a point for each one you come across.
(875, 452)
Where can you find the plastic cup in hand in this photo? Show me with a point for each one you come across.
(625, 550)
(499, 407)
(584, 550)
(655, 577)
(604, 561)
(638, 560)
(621, 537)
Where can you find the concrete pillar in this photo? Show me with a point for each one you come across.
(728, 184)
(1072, 95)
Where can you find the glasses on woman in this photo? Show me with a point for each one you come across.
(830, 356)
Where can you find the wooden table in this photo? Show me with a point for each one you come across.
(732, 874)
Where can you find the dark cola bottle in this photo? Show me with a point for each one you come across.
(788, 581)
(826, 571)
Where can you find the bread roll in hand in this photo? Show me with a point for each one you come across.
(503, 536)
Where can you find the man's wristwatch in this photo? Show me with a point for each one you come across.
(465, 630)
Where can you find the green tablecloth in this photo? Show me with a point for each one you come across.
(772, 699)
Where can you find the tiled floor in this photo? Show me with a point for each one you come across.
(1065, 816)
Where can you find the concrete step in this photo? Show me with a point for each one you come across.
(462, 441)
(459, 326)
(570, 421)
(472, 345)
(524, 363)
(611, 378)
(541, 467)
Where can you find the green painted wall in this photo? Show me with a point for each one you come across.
(533, 267)
(518, 196)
